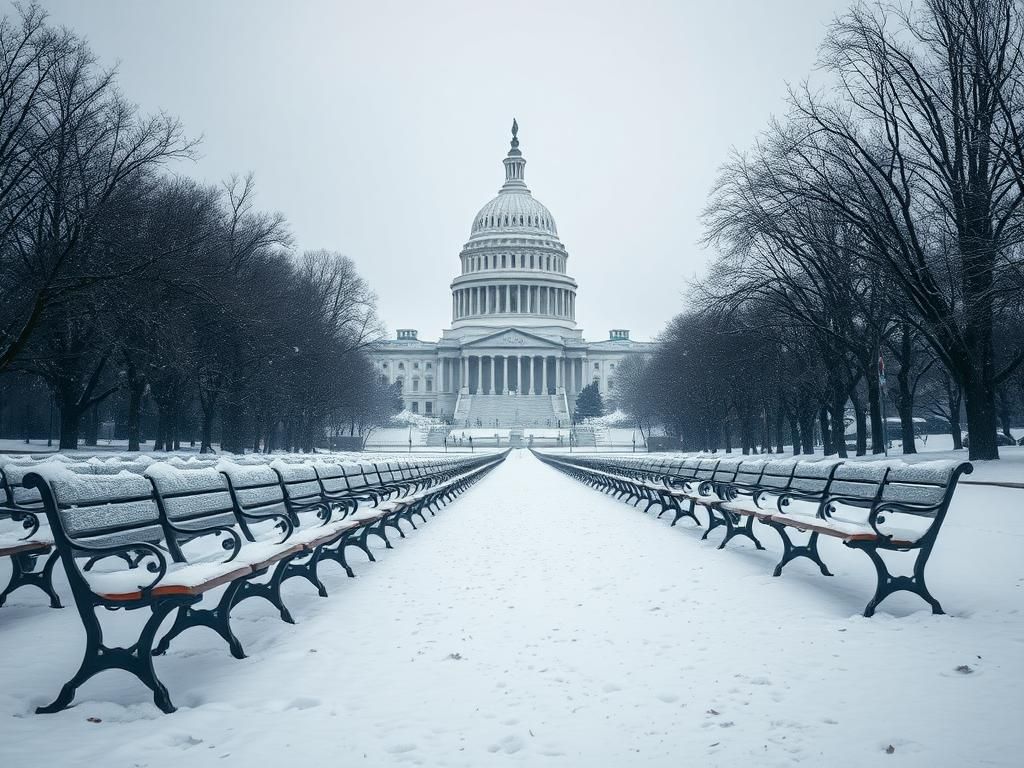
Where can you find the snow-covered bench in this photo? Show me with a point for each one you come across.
(164, 541)
(871, 506)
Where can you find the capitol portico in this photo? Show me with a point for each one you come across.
(513, 353)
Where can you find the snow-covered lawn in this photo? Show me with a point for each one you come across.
(537, 622)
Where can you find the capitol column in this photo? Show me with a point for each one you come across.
(504, 383)
(528, 360)
(544, 374)
(492, 377)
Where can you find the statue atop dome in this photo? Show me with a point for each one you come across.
(515, 164)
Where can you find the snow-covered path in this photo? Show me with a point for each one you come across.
(537, 622)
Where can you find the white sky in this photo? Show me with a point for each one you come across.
(378, 127)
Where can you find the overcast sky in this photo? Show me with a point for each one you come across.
(378, 128)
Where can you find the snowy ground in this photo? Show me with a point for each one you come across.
(537, 622)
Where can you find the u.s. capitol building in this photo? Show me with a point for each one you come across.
(513, 354)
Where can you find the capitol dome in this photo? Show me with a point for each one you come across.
(514, 210)
(514, 265)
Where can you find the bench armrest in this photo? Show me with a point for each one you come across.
(159, 568)
(323, 509)
(29, 520)
(233, 545)
(828, 503)
(283, 522)
(875, 515)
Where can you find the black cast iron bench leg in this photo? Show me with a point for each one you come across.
(734, 529)
(269, 590)
(690, 512)
(217, 618)
(791, 551)
(24, 574)
(888, 584)
(136, 659)
(715, 520)
(337, 553)
(306, 570)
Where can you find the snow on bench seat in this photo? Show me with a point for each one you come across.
(181, 579)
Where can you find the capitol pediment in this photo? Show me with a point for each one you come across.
(512, 338)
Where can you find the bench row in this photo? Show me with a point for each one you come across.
(165, 540)
(870, 506)
(22, 505)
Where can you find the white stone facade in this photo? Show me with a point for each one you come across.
(513, 308)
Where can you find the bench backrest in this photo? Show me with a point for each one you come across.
(300, 482)
(811, 479)
(726, 471)
(12, 492)
(99, 510)
(749, 472)
(860, 483)
(331, 476)
(922, 489)
(776, 474)
(255, 489)
(705, 469)
(193, 498)
(355, 476)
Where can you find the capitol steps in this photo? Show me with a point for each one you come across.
(505, 411)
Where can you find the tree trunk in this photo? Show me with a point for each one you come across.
(954, 401)
(807, 431)
(906, 410)
(70, 422)
(794, 433)
(1004, 413)
(837, 415)
(826, 431)
(206, 443)
(135, 391)
(875, 409)
(861, 420)
(92, 426)
(979, 403)
(161, 429)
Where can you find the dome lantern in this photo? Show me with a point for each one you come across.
(515, 164)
